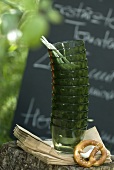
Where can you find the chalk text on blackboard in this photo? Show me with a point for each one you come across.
(107, 137)
(87, 14)
(39, 63)
(105, 42)
(100, 75)
(104, 94)
(37, 119)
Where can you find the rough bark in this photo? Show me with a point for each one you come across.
(14, 158)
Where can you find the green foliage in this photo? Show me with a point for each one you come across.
(11, 70)
(37, 26)
(22, 23)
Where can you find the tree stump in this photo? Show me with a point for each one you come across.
(14, 158)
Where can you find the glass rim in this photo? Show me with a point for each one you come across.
(73, 86)
(59, 118)
(70, 69)
(81, 95)
(76, 78)
(72, 104)
(70, 120)
(63, 128)
(79, 52)
(77, 42)
(71, 62)
(77, 70)
(86, 95)
(72, 112)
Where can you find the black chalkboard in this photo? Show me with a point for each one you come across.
(92, 21)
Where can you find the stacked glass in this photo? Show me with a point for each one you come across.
(70, 86)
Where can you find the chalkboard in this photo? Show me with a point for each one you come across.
(92, 21)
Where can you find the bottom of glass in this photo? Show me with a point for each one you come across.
(63, 149)
(66, 145)
(65, 139)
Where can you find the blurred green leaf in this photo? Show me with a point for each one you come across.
(9, 4)
(13, 47)
(31, 17)
(3, 45)
(33, 29)
(54, 16)
(9, 21)
(45, 4)
(29, 4)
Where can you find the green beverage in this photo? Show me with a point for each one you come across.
(70, 86)
(65, 139)
(70, 99)
(69, 123)
(77, 56)
(75, 115)
(69, 107)
(70, 74)
(71, 67)
(71, 81)
(70, 90)
(68, 48)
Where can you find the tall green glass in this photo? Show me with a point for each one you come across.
(70, 95)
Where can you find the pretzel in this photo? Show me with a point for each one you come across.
(92, 161)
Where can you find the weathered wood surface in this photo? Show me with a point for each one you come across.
(14, 158)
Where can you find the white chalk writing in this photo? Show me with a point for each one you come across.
(37, 119)
(105, 42)
(101, 75)
(88, 14)
(39, 63)
(107, 95)
(107, 137)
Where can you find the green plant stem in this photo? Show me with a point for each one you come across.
(12, 5)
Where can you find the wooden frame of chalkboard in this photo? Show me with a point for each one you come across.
(92, 21)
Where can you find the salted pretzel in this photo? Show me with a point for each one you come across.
(92, 161)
